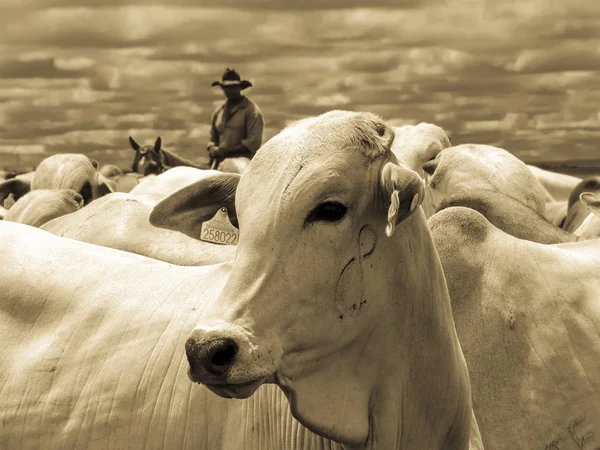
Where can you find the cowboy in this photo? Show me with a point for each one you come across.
(237, 125)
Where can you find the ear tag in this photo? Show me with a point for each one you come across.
(219, 229)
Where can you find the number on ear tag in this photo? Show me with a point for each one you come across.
(219, 229)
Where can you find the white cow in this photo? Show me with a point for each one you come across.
(522, 222)
(110, 170)
(14, 188)
(329, 237)
(71, 171)
(6, 174)
(558, 185)
(509, 215)
(120, 220)
(418, 144)
(61, 171)
(556, 212)
(172, 180)
(42, 205)
(123, 182)
(237, 164)
(577, 211)
(528, 319)
(336, 295)
(471, 167)
(590, 228)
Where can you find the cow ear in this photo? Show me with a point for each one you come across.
(591, 202)
(15, 186)
(105, 186)
(403, 188)
(158, 144)
(430, 166)
(188, 208)
(134, 144)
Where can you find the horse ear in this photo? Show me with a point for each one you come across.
(158, 144)
(134, 144)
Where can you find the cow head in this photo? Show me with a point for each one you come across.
(418, 144)
(72, 171)
(328, 258)
(148, 159)
(592, 202)
(42, 205)
(16, 186)
(590, 227)
(469, 167)
(578, 209)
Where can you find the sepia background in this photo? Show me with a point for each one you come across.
(83, 75)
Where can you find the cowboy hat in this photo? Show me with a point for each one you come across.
(232, 78)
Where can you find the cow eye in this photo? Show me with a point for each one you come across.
(328, 211)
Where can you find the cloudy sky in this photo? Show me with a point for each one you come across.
(83, 75)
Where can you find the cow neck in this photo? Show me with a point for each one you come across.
(403, 384)
(423, 383)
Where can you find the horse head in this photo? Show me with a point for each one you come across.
(148, 159)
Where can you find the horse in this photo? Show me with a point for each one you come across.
(154, 160)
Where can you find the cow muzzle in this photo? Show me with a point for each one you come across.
(227, 363)
(211, 358)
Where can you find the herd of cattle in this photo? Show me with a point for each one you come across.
(385, 290)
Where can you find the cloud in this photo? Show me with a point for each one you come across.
(82, 75)
(510, 122)
(43, 68)
(561, 59)
(371, 62)
(573, 30)
(77, 63)
(22, 149)
(289, 5)
(117, 27)
(105, 79)
(554, 121)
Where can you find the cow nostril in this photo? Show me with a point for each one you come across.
(212, 357)
(224, 357)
